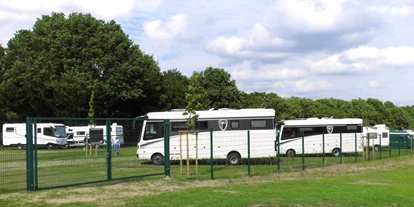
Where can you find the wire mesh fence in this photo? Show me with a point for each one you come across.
(87, 154)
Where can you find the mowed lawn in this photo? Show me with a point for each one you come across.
(386, 182)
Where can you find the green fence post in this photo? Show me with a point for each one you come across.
(323, 149)
(389, 146)
(29, 155)
(356, 148)
(380, 147)
(278, 150)
(167, 148)
(340, 145)
(211, 154)
(35, 171)
(399, 147)
(248, 152)
(108, 151)
(303, 151)
(369, 151)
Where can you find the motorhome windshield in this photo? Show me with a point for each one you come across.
(60, 132)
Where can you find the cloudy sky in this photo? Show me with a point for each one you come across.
(345, 49)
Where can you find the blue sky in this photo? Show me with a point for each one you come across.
(345, 49)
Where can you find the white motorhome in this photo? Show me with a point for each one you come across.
(377, 136)
(77, 134)
(229, 127)
(320, 136)
(50, 135)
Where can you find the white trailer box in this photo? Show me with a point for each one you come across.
(48, 134)
(77, 134)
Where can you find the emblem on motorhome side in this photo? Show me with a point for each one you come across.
(329, 129)
(223, 124)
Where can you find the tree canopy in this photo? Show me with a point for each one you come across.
(79, 66)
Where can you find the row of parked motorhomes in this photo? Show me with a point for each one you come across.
(56, 135)
(225, 132)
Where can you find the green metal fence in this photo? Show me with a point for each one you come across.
(36, 165)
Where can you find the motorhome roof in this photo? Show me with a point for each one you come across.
(220, 113)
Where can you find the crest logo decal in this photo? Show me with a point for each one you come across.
(329, 129)
(223, 124)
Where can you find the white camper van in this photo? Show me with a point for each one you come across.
(50, 135)
(229, 127)
(77, 134)
(378, 135)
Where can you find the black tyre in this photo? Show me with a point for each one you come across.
(336, 152)
(20, 146)
(233, 158)
(50, 146)
(376, 148)
(290, 153)
(157, 159)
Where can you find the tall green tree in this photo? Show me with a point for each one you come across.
(213, 88)
(52, 69)
(175, 86)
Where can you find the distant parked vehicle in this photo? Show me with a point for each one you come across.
(49, 135)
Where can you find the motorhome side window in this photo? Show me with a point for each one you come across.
(384, 135)
(9, 129)
(81, 133)
(258, 123)
(39, 130)
(178, 126)
(48, 131)
(200, 125)
(154, 130)
(234, 124)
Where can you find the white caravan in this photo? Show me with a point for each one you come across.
(229, 126)
(48, 134)
(378, 135)
(320, 136)
(77, 134)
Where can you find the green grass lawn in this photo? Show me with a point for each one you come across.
(379, 182)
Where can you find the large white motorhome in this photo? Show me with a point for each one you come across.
(229, 127)
(77, 134)
(378, 135)
(318, 131)
(50, 135)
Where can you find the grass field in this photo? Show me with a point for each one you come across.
(380, 182)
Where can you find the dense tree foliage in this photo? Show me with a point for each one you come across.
(78, 66)
(52, 69)
(175, 86)
(213, 88)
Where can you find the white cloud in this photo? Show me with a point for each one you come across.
(302, 86)
(176, 28)
(364, 58)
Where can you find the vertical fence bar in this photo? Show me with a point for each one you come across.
(29, 155)
(356, 148)
(278, 150)
(368, 149)
(389, 147)
(248, 152)
(108, 151)
(380, 147)
(340, 146)
(323, 149)
(35, 171)
(167, 148)
(399, 147)
(211, 154)
(303, 151)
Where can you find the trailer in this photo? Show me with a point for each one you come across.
(401, 139)
(78, 134)
(377, 136)
(50, 135)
